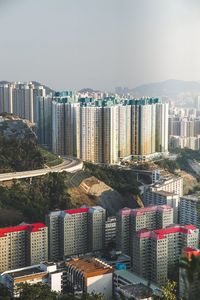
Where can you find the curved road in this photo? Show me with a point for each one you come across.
(70, 165)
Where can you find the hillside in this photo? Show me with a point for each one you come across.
(187, 165)
(168, 88)
(28, 201)
(19, 150)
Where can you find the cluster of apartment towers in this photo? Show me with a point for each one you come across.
(102, 128)
(154, 237)
(184, 127)
(99, 129)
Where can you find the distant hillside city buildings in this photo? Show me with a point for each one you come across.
(100, 129)
(82, 250)
(184, 126)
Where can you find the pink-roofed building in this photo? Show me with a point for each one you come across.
(23, 245)
(75, 231)
(156, 253)
(129, 221)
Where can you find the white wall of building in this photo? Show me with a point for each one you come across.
(56, 281)
(101, 284)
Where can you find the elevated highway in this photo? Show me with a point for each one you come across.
(70, 165)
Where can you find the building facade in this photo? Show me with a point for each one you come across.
(65, 124)
(157, 252)
(21, 99)
(171, 184)
(23, 245)
(110, 231)
(45, 273)
(6, 98)
(89, 276)
(97, 130)
(190, 210)
(44, 121)
(163, 198)
(75, 231)
(130, 221)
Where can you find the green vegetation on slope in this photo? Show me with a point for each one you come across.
(121, 180)
(19, 149)
(169, 165)
(30, 202)
(181, 162)
(19, 155)
(188, 153)
(50, 158)
(23, 155)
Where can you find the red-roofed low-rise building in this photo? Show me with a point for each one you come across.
(156, 253)
(23, 245)
(75, 231)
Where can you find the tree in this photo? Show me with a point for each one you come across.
(37, 291)
(30, 202)
(93, 296)
(169, 291)
(191, 274)
(4, 292)
(19, 154)
(70, 296)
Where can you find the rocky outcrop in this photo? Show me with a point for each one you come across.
(13, 127)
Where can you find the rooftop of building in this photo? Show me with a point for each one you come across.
(125, 211)
(137, 291)
(24, 272)
(55, 213)
(70, 96)
(48, 264)
(141, 211)
(25, 227)
(122, 258)
(77, 210)
(166, 180)
(133, 278)
(111, 219)
(90, 266)
(35, 271)
(194, 197)
(97, 208)
(164, 193)
(162, 233)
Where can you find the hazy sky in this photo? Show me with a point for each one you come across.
(70, 44)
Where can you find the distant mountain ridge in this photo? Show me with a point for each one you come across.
(88, 90)
(170, 88)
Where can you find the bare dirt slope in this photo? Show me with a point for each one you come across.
(92, 191)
